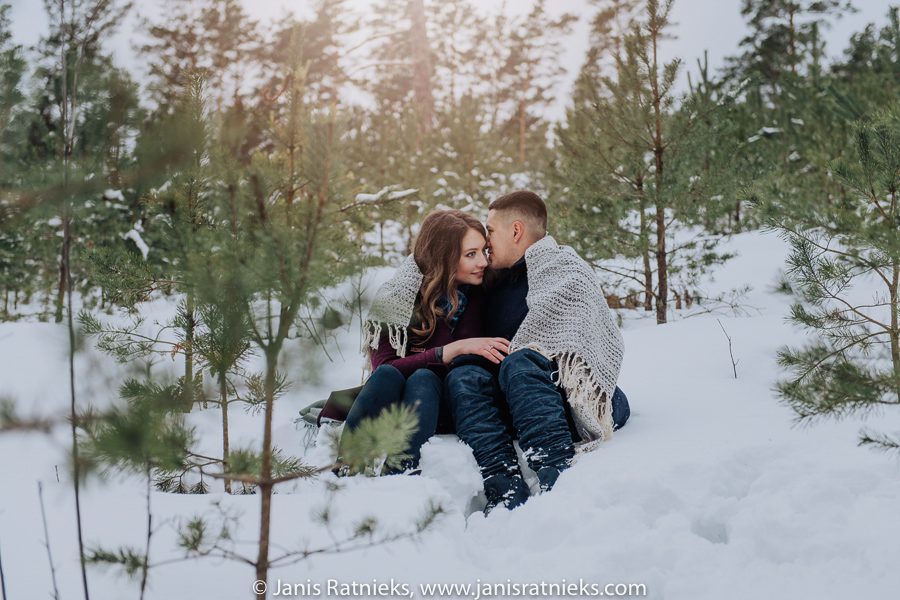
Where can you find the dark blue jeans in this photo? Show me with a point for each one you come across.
(523, 402)
(386, 386)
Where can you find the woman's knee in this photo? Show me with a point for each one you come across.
(423, 377)
(424, 388)
(384, 387)
(387, 374)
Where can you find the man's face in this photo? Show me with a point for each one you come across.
(502, 239)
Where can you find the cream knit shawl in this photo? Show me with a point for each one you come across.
(393, 308)
(568, 321)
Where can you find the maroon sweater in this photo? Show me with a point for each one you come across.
(423, 356)
(471, 324)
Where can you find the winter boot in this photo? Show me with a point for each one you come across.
(507, 489)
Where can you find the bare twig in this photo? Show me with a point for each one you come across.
(2, 580)
(47, 540)
(145, 567)
(734, 363)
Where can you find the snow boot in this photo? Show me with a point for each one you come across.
(509, 490)
(547, 477)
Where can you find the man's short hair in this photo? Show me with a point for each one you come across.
(525, 204)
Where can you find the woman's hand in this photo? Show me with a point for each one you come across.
(492, 348)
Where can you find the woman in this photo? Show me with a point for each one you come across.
(432, 310)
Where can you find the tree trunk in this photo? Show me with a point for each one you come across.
(188, 391)
(223, 395)
(792, 43)
(662, 271)
(63, 277)
(421, 52)
(145, 567)
(265, 486)
(522, 128)
(645, 248)
(661, 264)
(66, 285)
(895, 327)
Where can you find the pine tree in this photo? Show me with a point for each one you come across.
(783, 33)
(13, 274)
(287, 244)
(12, 68)
(530, 73)
(634, 170)
(317, 43)
(608, 27)
(146, 435)
(421, 55)
(868, 76)
(456, 33)
(853, 366)
(396, 141)
(212, 39)
(75, 79)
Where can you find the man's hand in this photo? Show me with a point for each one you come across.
(494, 349)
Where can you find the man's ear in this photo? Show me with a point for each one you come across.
(518, 231)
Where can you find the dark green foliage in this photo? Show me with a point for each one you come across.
(130, 560)
(384, 438)
(246, 461)
(147, 433)
(854, 365)
(785, 37)
(126, 342)
(255, 395)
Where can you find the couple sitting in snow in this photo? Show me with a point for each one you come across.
(521, 346)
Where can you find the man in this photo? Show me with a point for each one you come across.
(557, 385)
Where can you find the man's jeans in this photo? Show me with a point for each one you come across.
(386, 386)
(524, 402)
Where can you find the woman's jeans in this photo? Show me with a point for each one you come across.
(421, 392)
(523, 402)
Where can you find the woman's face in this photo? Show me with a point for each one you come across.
(472, 260)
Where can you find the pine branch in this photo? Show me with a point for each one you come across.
(880, 441)
(808, 239)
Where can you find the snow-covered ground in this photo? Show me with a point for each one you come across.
(709, 491)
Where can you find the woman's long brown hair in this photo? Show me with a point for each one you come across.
(437, 252)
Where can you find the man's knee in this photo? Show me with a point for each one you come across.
(620, 409)
(466, 386)
(467, 378)
(525, 360)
